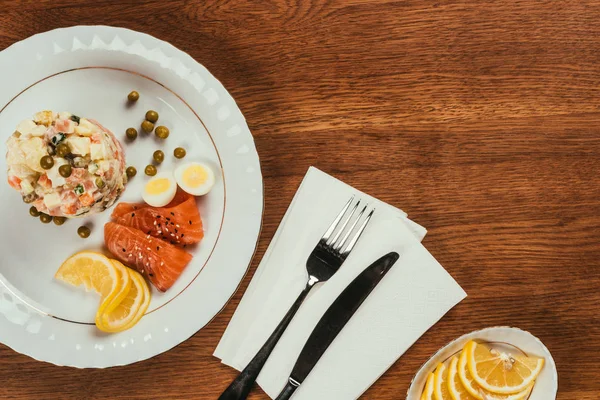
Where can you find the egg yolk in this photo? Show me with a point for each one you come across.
(158, 186)
(194, 176)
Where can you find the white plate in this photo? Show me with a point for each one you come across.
(546, 384)
(89, 70)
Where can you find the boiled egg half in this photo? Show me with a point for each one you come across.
(195, 178)
(160, 190)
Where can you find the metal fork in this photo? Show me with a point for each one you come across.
(326, 258)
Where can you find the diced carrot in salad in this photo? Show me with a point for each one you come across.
(96, 138)
(45, 182)
(69, 209)
(86, 199)
(14, 182)
(64, 125)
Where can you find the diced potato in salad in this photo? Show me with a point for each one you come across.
(95, 159)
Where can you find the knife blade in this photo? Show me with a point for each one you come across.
(334, 320)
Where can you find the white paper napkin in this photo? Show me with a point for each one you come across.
(413, 296)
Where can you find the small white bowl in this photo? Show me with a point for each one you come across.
(546, 384)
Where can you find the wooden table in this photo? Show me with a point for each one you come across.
(481, 121)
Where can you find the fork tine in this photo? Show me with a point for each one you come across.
(347, 235)
(336, 221)
(334, 241)
(352, 243)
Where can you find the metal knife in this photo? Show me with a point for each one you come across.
(334, 320)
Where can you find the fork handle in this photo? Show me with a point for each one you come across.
(242, 385)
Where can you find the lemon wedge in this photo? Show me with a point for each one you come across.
(499, 372)
(125, 295)
(92, 270)
(131, 308)
(428, 391)
(440, 383)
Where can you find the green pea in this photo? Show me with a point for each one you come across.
(100, 183)
(62, 150)
(162, 132)
(147, 126)
(29, 198)
(131, 133)
(131, 172)
(152, 116)
(65, 170)
(59, 220)
(150, 170)
(47, 162)
(84, 232)
(34, 212)
(158, 156)
(133, 96)
(45, 218)
(179, 152)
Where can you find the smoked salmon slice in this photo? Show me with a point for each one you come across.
(159, 261)
(179, 222)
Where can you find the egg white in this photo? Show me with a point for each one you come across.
(164, 197)
(200, 190)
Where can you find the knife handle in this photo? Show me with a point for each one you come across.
(242, 385)
(288, 391)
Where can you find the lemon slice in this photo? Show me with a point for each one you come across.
(125, 282)
(92, 270)
(130, 310)
(501, 373)
(147, 297)
(477, 392)
(428, 391)
(455, 386)
(465, 377)
(440, 383)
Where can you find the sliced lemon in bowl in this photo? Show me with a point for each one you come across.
(455, 386)
(500, 372)
(440, 383)
(131, 308)
(92, 270)
(461, 381)
(428, 391)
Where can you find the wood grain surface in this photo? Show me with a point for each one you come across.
(481, 119)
